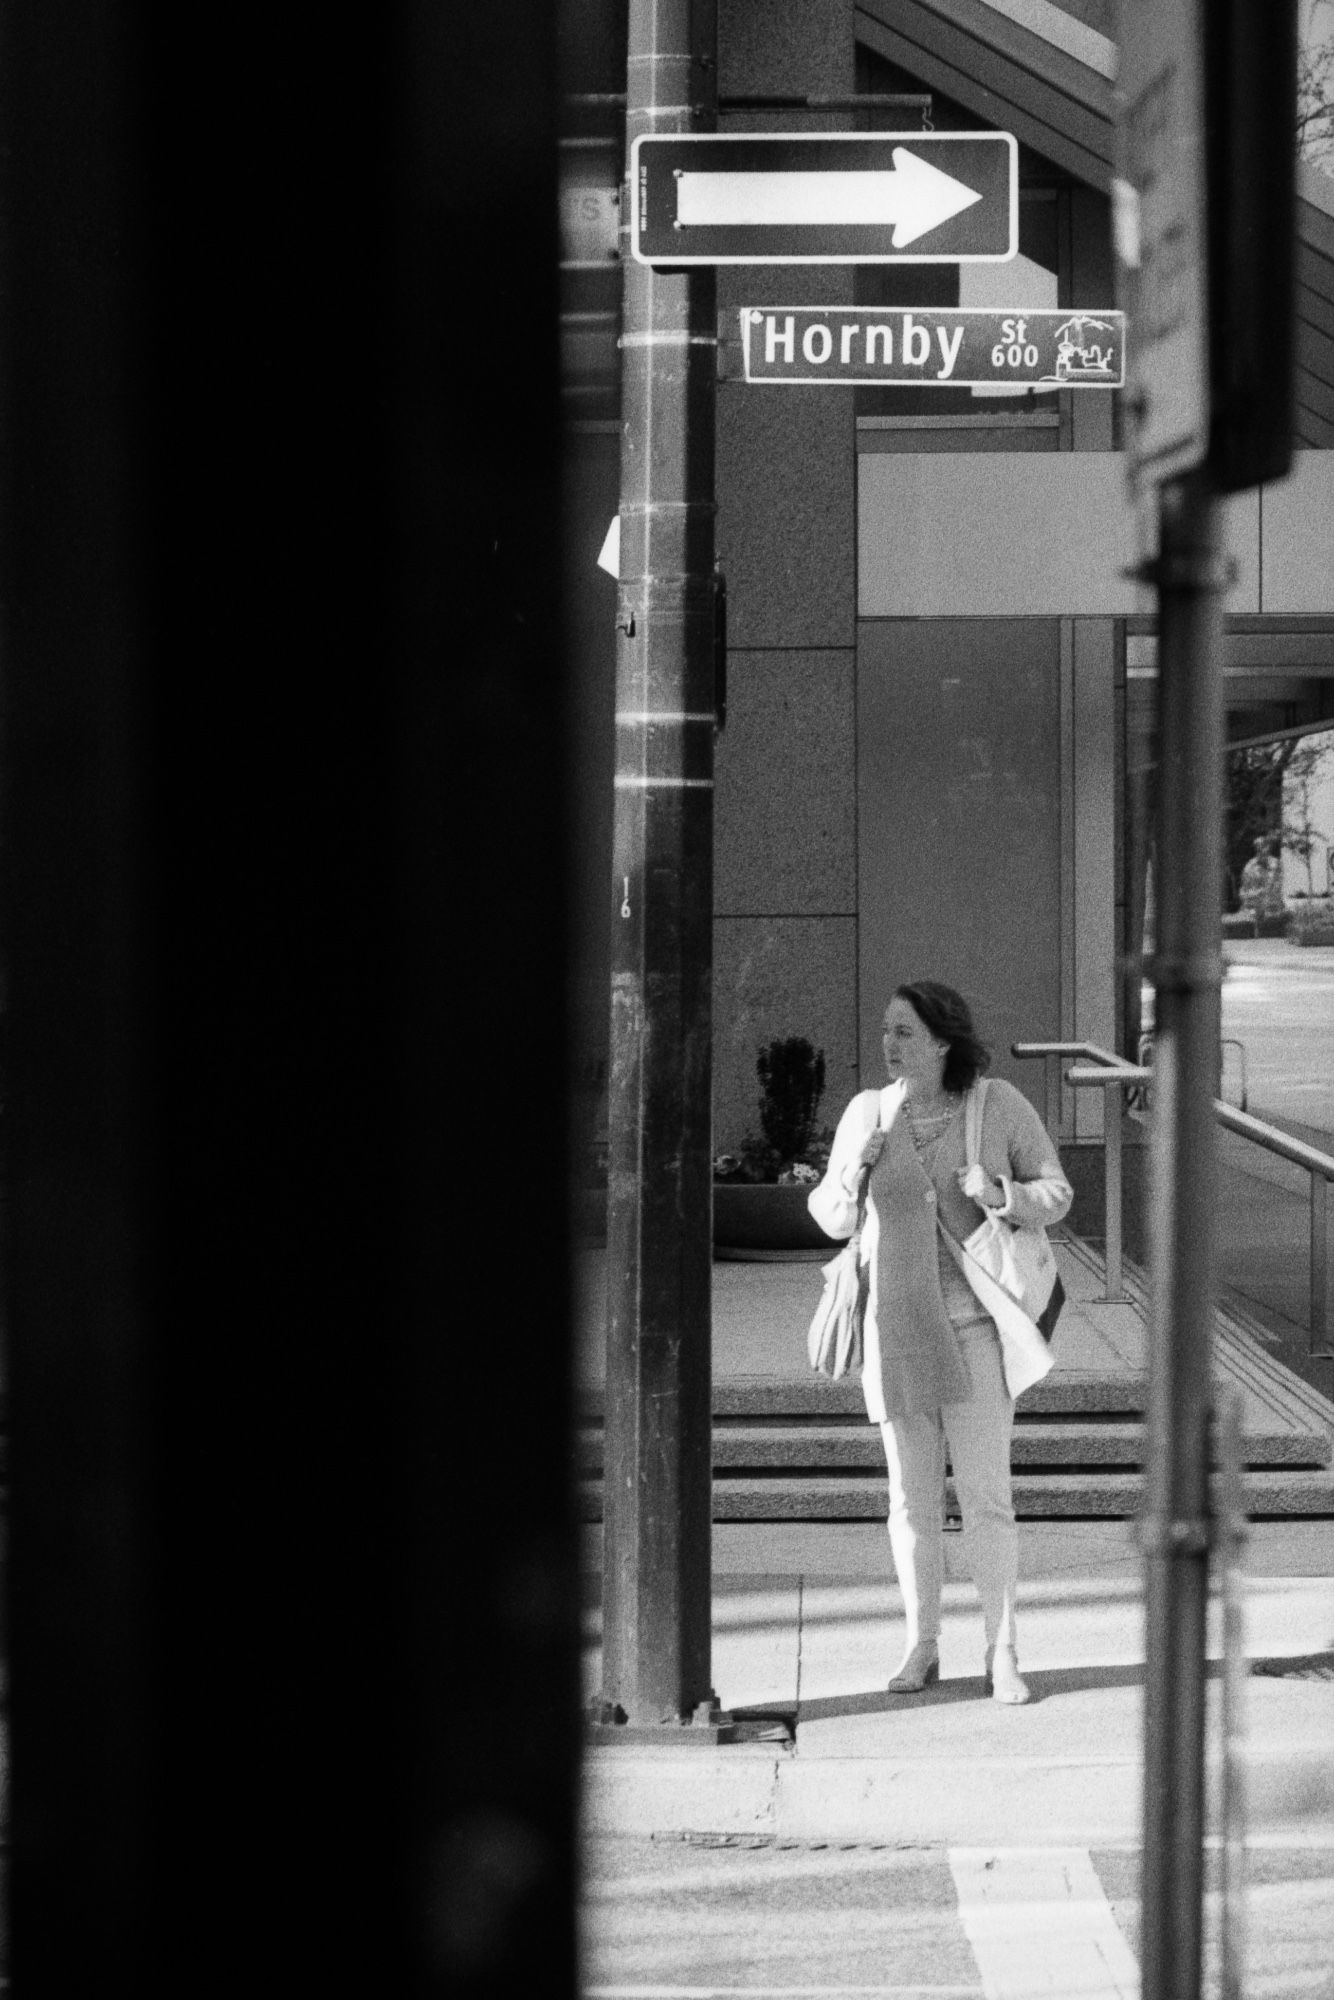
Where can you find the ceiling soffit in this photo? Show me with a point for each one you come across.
(1004, 73)
(1014, 78)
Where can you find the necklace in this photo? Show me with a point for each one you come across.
(928, 1132)
(932, 1117)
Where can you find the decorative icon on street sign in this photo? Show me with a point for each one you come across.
(938, 347)
(819, 198)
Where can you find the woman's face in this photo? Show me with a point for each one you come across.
(911, 1050)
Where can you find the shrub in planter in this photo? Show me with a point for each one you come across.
(789, 1150)
(760, 1192)
(1311, 920)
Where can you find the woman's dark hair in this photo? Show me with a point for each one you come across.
(945, 1013)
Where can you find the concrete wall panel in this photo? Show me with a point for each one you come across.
(785, 47)
(1298, 524)
(1095, 851)
(959, 823)
(786, 501)
(779, 976)
(991, 534)
(786, 779)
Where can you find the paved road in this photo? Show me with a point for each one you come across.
(1279, 1002)
(751, 1916)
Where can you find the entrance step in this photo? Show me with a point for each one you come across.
(793, 1446)
(802, 1450)
(1083, 1495)
(1046, 1447)
(812, 1398)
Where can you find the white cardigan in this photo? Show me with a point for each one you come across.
(1038, 1195)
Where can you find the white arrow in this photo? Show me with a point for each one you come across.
(913, 195)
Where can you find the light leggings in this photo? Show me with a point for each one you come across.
(978, 1436)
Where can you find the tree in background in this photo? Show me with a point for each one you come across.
(1302, 836)
(1254, 809)
(1315, 93)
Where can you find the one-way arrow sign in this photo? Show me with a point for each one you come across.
(808, 198)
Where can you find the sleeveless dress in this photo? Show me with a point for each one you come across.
(920, 1359)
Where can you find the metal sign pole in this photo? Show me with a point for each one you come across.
(658, 1466)
(1190, 574)
(1230, 1542)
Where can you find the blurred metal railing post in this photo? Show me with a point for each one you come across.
(1111, 1147)
(1052, 1067)
(1322, 1255)
(1175, 1530)
(1230, 1531)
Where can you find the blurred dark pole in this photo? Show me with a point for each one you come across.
(1248, 53)
(293, 1668)
(1176, 1526)
(78, 978)
(657, 1485)
(1250, 70)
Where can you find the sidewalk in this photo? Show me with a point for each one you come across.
(807, 1628)
(1279, 951)
(816, 1644)
(761, 1312)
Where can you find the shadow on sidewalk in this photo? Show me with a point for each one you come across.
(1044, 1684)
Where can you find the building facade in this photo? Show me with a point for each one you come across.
(937, 757)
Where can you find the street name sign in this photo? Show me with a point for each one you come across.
(819, 198)
(959, 348)
(1158, 226)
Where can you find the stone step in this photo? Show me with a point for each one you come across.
(832, 1447)
(1065, 1392)
(1037, 1496)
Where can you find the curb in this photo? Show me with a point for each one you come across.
(975, 1801)
(757, 1790)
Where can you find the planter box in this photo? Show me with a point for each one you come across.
(1311, 920)
(749, 1224)
(762, 1222)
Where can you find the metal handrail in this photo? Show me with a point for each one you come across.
(1226, 1042)
(1111, 1073)
(1274, 1141)
(1115, 1075)
(1055, 1050)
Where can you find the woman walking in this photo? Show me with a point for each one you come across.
(933, 1371)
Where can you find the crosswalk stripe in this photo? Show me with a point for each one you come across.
(1040, 1925)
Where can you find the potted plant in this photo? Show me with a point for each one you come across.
(759, 1193)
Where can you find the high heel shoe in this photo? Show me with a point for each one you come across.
(1004, 1682)
(921, 1666)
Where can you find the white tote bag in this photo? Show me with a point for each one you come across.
(834, 1343)
(1021, 1261)
(1013, 1273)
(836, 1340)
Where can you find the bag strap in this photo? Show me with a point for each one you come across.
(972, 1121)
(864, 1180)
